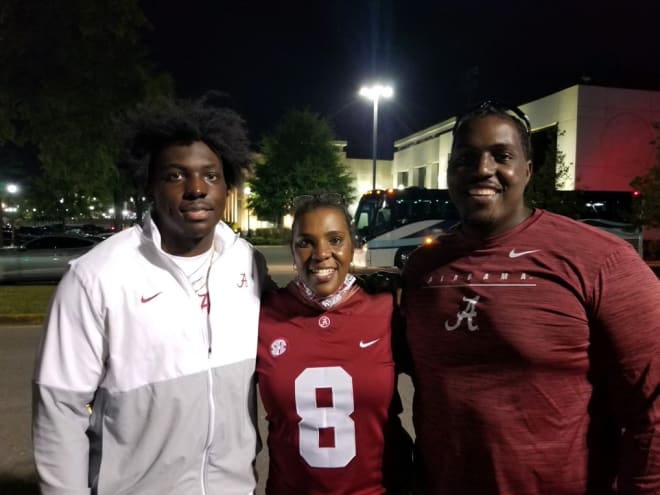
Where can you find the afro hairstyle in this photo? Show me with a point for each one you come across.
(183, 122)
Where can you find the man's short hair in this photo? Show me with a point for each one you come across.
(501, 110)
(183, 122)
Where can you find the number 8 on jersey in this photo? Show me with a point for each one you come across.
(319, 415)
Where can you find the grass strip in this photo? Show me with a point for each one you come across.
(25, 301)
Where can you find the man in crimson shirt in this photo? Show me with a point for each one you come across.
(535, 339)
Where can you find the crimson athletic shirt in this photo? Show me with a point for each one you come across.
(327, 382)
(501, 331)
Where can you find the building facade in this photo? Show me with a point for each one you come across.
(604, 134)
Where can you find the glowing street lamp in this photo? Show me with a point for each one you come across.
(12, 189)
(375, 93)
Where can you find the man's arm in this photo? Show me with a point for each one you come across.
(627, 317)
(69, 367)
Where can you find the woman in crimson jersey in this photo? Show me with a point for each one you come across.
(326, 369)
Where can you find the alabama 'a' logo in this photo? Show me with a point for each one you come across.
(206, 302)
(469, 313)
(243, 283)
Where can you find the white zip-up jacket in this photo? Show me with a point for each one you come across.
(173, 403)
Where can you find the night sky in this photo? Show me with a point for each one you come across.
(440, 56)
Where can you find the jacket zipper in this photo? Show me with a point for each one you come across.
(209, 372)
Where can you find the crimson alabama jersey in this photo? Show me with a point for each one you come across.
(326, 380)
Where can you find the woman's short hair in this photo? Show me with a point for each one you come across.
(308, 202)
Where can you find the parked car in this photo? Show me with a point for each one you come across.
(88, 229)
(44, 259)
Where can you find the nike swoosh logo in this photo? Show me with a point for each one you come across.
(147, 299)
(514, 254)
(364, 344)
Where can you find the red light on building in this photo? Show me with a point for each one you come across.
(636, 194)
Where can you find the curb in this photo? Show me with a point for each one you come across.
(22, 319)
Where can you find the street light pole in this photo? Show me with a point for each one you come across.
(374, 145)
(2, 217)
(374, 93)
(12, 189)
(247, 190)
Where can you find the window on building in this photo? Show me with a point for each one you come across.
(433, 180)
(420, 176)
(402, 179)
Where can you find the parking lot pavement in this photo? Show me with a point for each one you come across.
(17, 347)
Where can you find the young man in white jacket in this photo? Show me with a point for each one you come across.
(145, 376)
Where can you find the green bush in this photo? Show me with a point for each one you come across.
(269, 237)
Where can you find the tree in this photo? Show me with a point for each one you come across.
(299, 157)
(647, 204)
(71, 70)
(550, 173)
